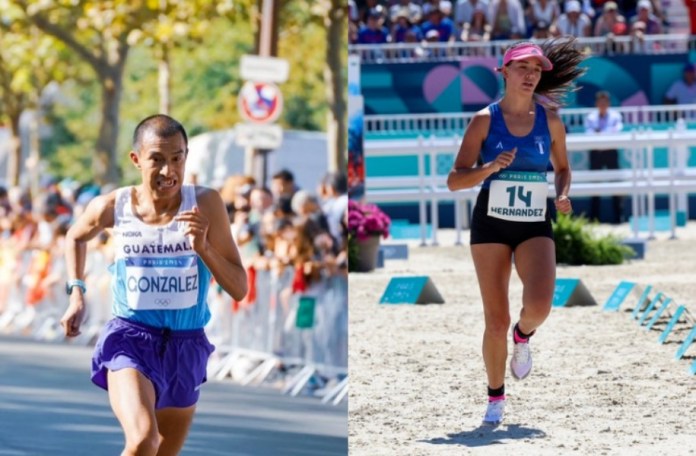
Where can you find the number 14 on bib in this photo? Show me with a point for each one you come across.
(518, 196)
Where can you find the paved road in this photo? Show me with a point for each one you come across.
(48, 406)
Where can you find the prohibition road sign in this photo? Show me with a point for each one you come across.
(260, 102)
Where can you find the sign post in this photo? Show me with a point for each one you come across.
(264, 69)
(260, 103)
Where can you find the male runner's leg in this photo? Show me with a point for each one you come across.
(132, 398)
(173, 424)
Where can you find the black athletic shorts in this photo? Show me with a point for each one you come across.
(490, 230)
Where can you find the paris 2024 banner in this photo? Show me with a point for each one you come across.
(471, 83)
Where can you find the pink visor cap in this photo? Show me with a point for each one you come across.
(527, 51)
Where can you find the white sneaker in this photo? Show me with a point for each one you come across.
(521, 361)
(494, 412)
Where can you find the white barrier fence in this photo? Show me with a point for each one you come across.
(642, 181)
(433, 52)
(573, 118)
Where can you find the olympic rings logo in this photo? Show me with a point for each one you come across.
(164, 302)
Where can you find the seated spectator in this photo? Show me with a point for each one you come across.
(432, 36)
(374, 32)
(645, 15)
(542, 31)
(438, 21)
(638, 45)
(586, 7)
(573, 22)
(428, 6)
(659, 13)
(478, 28)
(683, 91)
(413, 10)
(410, 37)
(464, 11)
(432, 47)
(507, 19)
(546, 11)
(401, 25)
(372, 7)
(413, 37)
(352, 32)
(353, 14)
(608, 19)
(445, 7)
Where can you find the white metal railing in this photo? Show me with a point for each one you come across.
(572, 118)
(597, 45)
(642, 181)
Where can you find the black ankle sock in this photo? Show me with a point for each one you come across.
(522, 335)
(496, 392)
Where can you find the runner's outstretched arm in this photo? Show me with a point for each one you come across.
(559, 160)
(98, 215)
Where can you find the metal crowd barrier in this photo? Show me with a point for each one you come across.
(266, 340)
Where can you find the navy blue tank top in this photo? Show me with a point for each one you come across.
(533, 150)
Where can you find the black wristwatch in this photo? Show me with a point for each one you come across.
(75, 283)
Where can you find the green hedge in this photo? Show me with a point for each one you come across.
(577, 244)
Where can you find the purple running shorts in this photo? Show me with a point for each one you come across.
(174, 361)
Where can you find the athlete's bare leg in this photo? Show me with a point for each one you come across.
(493, 264)
(173, 424)
(132, 398)
(535, 261)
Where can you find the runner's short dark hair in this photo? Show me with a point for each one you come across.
(161, 125)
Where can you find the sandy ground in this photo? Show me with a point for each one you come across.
(601, 384)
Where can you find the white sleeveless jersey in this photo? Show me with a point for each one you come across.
(158, 279)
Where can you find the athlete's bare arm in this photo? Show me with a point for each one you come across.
(98, 215)
(559, 160)
(465, 174)
(212, 240)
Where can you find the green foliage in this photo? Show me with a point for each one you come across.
(303, 43)
(74, 128)
(204, 60)
(352, 253)
(301, 112)
(577, 244)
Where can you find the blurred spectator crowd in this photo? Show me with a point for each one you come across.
(424, 21)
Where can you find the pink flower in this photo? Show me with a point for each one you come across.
(366, 220)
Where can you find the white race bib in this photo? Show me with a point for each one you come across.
(162, 283)
(518, 196)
